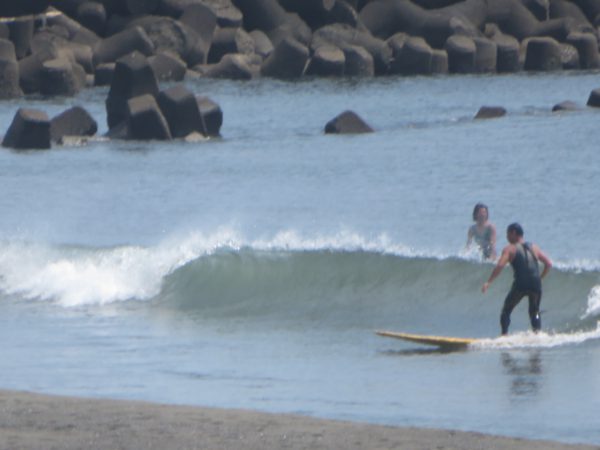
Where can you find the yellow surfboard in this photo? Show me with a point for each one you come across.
(442, 342)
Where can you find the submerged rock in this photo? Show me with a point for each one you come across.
(347, 122)
(565, 106)
(490, 112)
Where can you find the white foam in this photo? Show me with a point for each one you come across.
(472, 253)
(593, 303)
(578, 265)
(537, 340)
(76, 277)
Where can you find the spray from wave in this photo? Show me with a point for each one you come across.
(593, 303)
(79, 276)
(75, 276)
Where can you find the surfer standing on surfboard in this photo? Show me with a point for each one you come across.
(483, 232)
(523, 257)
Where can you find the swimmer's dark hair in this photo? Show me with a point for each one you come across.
(517, 228)
(479, 206)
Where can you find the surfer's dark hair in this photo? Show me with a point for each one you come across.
(479, 206)
(517, 228)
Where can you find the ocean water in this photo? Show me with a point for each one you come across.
(252, 271)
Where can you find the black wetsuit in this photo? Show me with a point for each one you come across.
(527, 283)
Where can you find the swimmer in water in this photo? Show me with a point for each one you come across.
(483, 232)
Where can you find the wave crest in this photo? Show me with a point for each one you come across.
(76, 276)
(288, 271)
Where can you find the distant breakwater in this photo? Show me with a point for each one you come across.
(243, 39)
(59, 47)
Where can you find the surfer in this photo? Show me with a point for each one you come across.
(524, 257)
(483, 232)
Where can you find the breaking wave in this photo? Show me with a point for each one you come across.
(342, 280)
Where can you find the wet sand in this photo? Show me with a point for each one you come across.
(34, 421)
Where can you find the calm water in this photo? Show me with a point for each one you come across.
(251, 271)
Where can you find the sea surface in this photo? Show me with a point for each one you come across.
(252, 271)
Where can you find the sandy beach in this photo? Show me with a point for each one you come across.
(34, 421)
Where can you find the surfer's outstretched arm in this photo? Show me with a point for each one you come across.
(503, 261)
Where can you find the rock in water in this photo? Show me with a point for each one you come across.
(75, 121)
(347, 122)
(133, 77)
(146, 121)
(180, 108)
(30, 129)
(490, 112)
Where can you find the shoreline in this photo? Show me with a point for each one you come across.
(34, 421)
